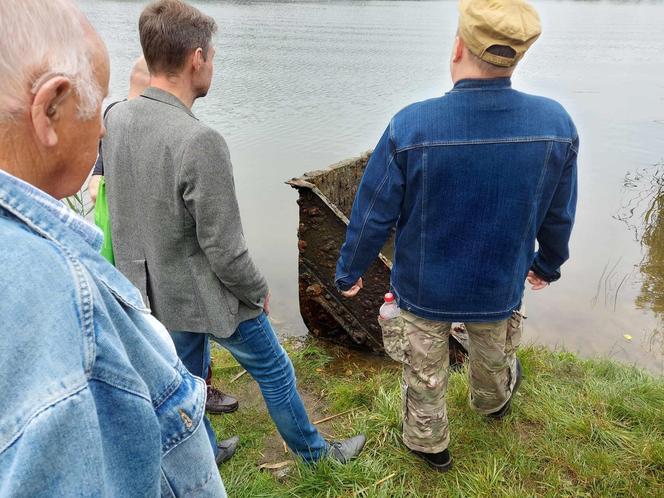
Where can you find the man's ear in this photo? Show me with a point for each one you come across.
(457, 51)
(198, 59)
(46, 108)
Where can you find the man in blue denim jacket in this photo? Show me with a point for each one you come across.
(471, 180)
(106, 407)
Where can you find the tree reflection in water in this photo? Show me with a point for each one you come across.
(644, 215)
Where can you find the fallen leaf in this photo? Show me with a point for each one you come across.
(628, 337)
(349, 372)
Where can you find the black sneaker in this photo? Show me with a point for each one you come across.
(506, 407)
(442, 461)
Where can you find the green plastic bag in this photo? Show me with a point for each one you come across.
(103, 221)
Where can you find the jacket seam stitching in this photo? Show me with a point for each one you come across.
(84, 310)
(533, 213)
(369, 210)
(483, 89)
(121, 298)
(170, 389)
(488, 141)
(423, 221)
(36, 413)
(487, 313)
(84, 291)
(178, 178)
(121, 387)
(46, 234)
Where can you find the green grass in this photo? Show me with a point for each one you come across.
(577, 428)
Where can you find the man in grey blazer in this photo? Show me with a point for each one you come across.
(176, 226)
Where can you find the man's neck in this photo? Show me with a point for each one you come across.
(12, 149)
(175, 85)
(472, 73)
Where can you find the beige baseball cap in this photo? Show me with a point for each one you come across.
(511, 23)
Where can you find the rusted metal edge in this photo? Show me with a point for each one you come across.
(298, 183)
(340, 164)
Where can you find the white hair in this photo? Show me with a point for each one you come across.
(41, 38)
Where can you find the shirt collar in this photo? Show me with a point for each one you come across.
(483, 84)
(15, 195)
(165, 97)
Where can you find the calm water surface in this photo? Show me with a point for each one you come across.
(301, 85)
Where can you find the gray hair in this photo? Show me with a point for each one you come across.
(42, 38)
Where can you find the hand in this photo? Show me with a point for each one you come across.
(352, 292)
(266, 303)
(536, 281)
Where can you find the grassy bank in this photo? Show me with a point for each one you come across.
(577, 428)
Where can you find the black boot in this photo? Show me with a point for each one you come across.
(441, 461)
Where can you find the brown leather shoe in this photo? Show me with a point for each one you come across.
(218, 402)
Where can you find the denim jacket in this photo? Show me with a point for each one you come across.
(95, 402)
(471, 180)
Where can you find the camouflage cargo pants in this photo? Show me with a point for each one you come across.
(421, 345)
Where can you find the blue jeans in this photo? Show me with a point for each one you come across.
(256, 348)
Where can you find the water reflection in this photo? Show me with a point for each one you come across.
(644, 215)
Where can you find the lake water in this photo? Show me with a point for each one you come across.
(301, 85)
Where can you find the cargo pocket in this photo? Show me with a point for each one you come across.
(394, 338)
(515, 330)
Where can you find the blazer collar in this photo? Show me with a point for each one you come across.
(164, 97)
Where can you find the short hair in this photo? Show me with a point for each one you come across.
(42, 37)
(170, 30)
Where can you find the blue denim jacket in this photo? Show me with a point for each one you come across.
(95, 401)
(471, 180)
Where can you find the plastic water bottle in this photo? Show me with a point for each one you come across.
(389, 308)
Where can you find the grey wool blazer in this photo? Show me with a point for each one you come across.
(175, 221)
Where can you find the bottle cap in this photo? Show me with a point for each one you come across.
(389, 297)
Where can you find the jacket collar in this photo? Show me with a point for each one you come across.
(165, 97)
(53, 220)
(45, 213)
(483, 84)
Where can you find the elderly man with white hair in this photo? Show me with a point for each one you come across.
(106, 408)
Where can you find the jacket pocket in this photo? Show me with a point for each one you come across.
(211, 291)
(187, 465)
(394, 338)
